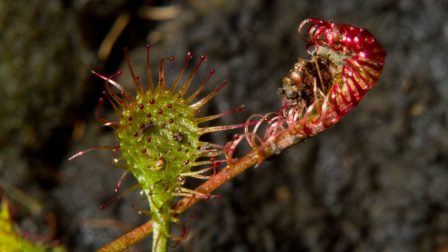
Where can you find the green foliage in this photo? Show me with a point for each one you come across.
(10, 240)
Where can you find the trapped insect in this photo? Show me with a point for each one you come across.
(346, 63)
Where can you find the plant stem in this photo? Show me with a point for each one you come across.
(160, 240)
(127, 240)
(282, 141)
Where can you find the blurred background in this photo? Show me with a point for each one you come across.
(377, 181)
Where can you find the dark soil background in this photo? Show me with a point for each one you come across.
(377, 181)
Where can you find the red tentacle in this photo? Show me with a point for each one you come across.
(362, 65)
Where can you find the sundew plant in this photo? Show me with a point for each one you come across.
(159, 131)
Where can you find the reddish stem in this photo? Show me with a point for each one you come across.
(282, 141)
(127, 240)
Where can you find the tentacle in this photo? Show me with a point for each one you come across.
(137, 83)
(184, 233)
(148, 69)
(208, 97)
(185, 192)
(230, 147)
(119, 196)
(201, 86)
(187, 60)
(80, 153)
(123, 91)
(213, 117)
(101, 120)
(206, 130)
(161, 84)
(187, 82)
(120, 181)
(199, 173)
